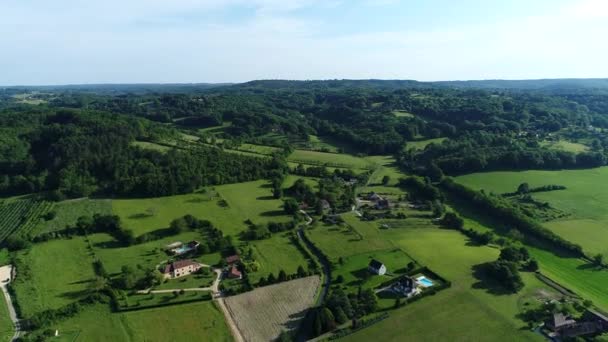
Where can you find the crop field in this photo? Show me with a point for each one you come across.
(262, 314)
(21, 216)
(68, 212)
(53, 274)
(421, 144)
(466, 311)
(585, 200)
(329, 159)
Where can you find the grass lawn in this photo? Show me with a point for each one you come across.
(53, 274)
(6, 325)
(331, 159)
(151, 146)
(585, 200)
(421, 144)
(4, 257)
(67, 212)
(188, 282)
(463, 312)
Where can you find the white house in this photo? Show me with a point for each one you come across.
(376, 267)
(181, 268)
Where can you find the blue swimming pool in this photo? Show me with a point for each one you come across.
(424, 281)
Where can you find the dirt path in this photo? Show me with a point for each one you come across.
(5, 278)
(236, 333)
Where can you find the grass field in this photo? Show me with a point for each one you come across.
(564, 145)
(68, 212)
(464, 312)
(53, 274)
(585, 200)
(260, 149)
(262, 314)
(187, 322)
(402, 114)
(355, 273)
(151, 146)
(6, 325)
(331, 159)
(421, 144)
(275, 254)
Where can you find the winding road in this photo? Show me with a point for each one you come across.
(6, 275)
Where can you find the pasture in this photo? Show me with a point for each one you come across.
(422, 144)
(53, 274)
(355, 273)
(259, 149)
(275, 254)
(329, 159)
(565, 145)
(585, 200)
(6, 325)
(262, 314)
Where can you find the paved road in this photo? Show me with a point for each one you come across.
(6, 273)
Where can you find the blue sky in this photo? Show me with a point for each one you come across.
(160, 41)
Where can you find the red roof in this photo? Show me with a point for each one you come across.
(234, 273)
(232, 259)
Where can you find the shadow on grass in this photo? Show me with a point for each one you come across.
(139, 216)
(273, 213)
(265, 198)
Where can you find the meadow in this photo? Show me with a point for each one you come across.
(53, 274)
(186, 322)
(564, 145)
(6, 325)
(354, 267)
(68, 212)
(330, 159)
(585, 200)
(402, 114)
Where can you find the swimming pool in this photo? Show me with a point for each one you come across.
(424, 281)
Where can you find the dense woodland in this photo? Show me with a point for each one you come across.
(78, 141)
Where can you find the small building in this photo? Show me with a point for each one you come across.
(376, 267)
(233, 259)
(181, 268)
(560, 323)
(234, 273)
(372, 196)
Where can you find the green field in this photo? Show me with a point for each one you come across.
(260, 149)
(463, 312)
(354, 268)
(585, 200)
(68, 212)
(151, 146)
(187, 322)
(331, 159)
(421, 144)
(564, 145)
(402, 114)
(6, 325)
(53, 274)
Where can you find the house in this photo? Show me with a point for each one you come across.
(560, 323)
(591, 323)
(406, 287)
(233, 259)
(382, 204)
(234, 273)
(181, 268)
(376, 267)
(372, 196)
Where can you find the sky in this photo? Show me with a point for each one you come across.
(46, 42)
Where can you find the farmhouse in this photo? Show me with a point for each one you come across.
(181, 268)
(406, 287)
(234, 273)
(233, 259)
(591, 323)
(382, 204)
(372, 196)
(376, 267)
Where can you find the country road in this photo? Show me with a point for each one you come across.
(5, 278)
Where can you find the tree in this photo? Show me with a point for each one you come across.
(523, 188)
(341, 317)
(598, 260)
(179, 225)
(327, 319)
(285, 336)
(282, 276)
(98, 284)
(452, 220)
(301, 272)
(385, 180)
(271, 279)
(290, 206)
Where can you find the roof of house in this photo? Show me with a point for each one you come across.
(232, 259)
(183, 263)
(560, 320)
(375, 264)
(235, 272)
(598, 314)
